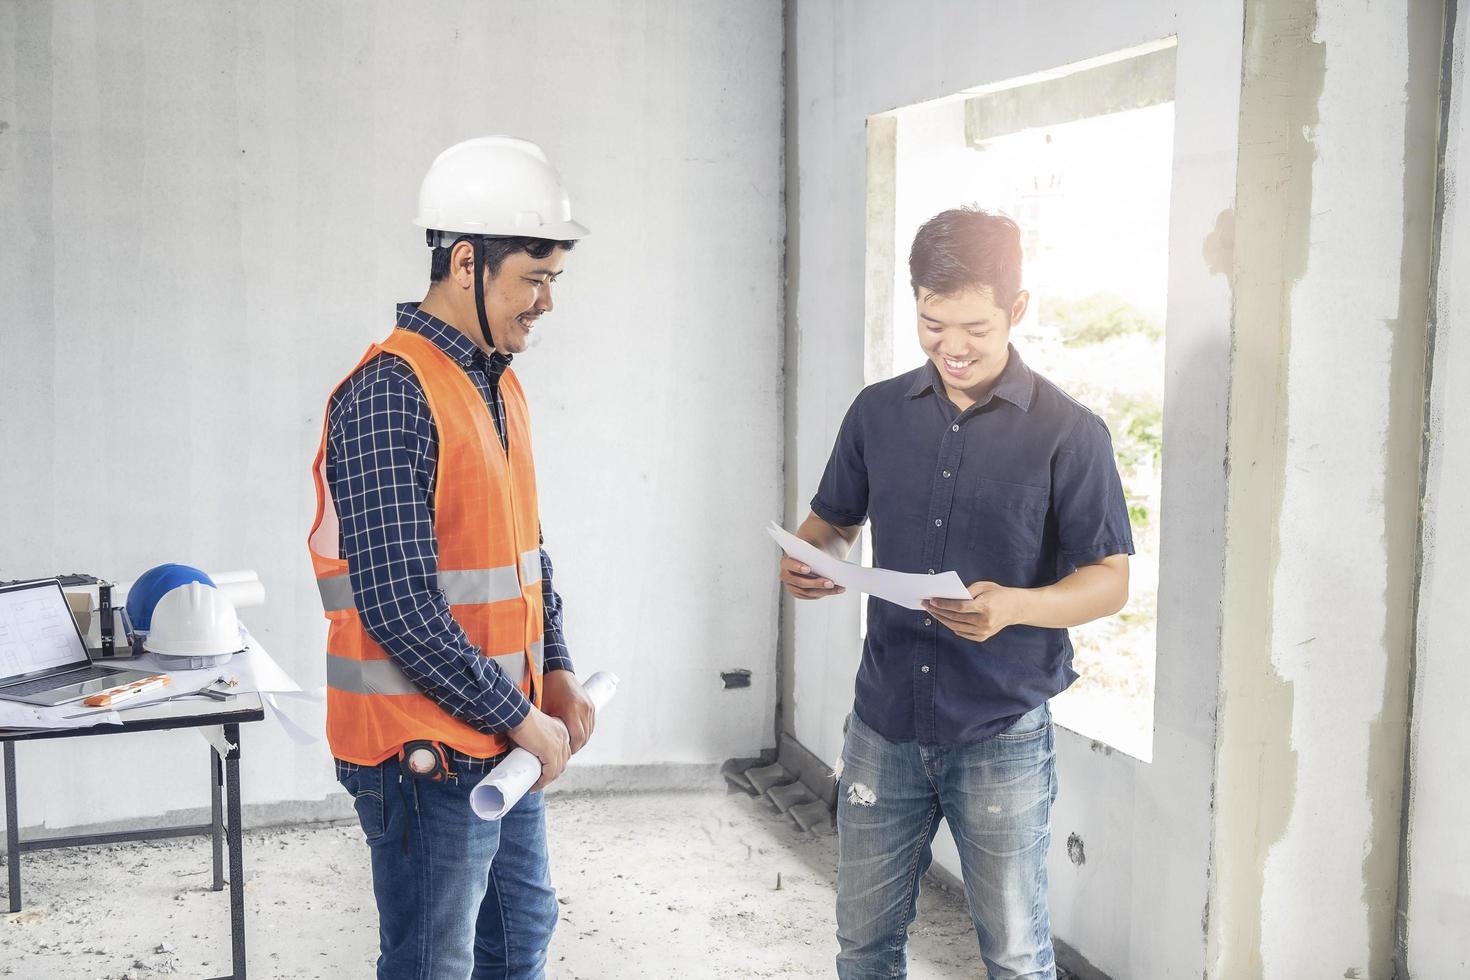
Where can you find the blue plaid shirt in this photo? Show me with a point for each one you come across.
(382, 451)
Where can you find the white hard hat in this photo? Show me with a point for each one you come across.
(499, 186)
(194, 620)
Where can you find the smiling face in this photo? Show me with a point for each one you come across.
(518, 295)
(967, 336)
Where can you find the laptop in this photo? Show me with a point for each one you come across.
(43, 659)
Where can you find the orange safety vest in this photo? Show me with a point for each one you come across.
(489, 536)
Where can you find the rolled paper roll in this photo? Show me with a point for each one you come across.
(502, 788)
(243, 575)
(241, 587)
(243, 594)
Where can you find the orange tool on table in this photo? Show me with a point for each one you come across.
(115, 695)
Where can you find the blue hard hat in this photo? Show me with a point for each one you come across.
(153, 585)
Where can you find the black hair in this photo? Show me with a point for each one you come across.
(967, 248)
(496, 252)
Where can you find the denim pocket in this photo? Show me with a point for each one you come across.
(1008, 519)
(365, 786)
(858, 736)
(1033, 724)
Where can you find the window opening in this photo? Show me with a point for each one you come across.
(1082, 161)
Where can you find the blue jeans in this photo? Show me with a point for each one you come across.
(459, 898)
(996, 794)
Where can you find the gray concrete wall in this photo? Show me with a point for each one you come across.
(1136, 907)
(1331, 279)
(1436, 884)
(205, 215)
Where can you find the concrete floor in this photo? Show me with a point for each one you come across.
(652, 886)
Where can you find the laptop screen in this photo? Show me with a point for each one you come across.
(36, 629)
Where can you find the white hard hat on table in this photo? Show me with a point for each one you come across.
(194, 620)
(498, 186)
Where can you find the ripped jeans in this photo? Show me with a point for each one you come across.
(996, 794)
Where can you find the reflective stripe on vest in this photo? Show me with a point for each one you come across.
(385, 676)
(531, 567)
(473, 586)
(461, 587)
(336, 593)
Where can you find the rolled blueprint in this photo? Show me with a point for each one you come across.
(242, 588)
(503, 786)
(242, 594)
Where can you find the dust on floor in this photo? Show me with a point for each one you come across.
(651, 885)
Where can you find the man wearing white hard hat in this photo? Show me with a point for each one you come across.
(445, 646)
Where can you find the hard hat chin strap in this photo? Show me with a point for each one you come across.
(478, 244)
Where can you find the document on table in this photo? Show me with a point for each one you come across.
(16, 715)
(907, 589)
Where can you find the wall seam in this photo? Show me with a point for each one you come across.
(1431, 328)
(1219, 708)
(789, 266)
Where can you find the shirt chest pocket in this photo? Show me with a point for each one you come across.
(1008, 519)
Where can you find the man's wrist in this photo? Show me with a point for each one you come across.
(1028, 606)
(516, 717)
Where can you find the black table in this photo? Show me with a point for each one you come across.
(224, 825)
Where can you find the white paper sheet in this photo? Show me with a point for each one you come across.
(282, 717)
(502, 788)
(907, 589)
(215, 736)
(13, 714)
(253, 670)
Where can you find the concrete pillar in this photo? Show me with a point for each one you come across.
(1331, 266)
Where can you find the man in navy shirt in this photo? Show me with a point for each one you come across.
(975, 463)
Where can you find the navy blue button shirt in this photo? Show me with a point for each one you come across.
(1019, 489)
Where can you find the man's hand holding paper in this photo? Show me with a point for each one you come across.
(907, 589)
(989, 609)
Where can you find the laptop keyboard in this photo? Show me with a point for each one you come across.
(57, 680)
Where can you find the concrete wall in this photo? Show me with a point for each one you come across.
(1436, 885)
(1338, 122)
(205, 216)
(1135, 908)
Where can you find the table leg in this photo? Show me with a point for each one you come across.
(216, 817)
(12, 829)
(237, 857)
